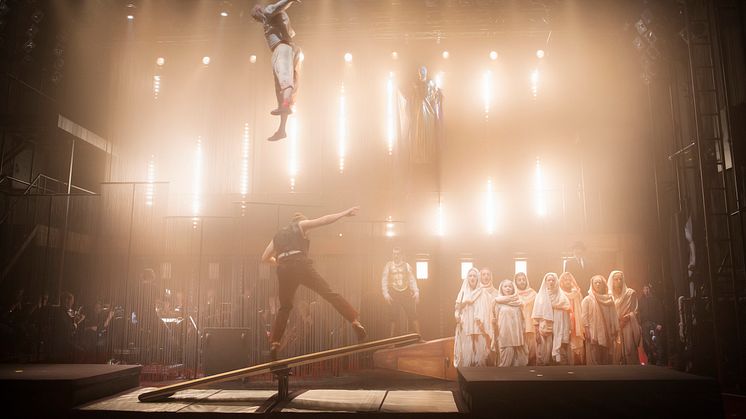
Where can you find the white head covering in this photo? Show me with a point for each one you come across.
(549, 299)
(467, 293)
(602, 329)
(512, 299)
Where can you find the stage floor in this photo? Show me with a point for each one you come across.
(369, 392)
(261, 401)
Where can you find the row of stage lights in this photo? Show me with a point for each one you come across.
(161, 61)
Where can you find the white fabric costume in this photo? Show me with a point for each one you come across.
(628, 341)
(601, 324)
(552, 312)
(509, 338)
(576, 323)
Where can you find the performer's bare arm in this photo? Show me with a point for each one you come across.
(413, 284)
(385, 283)
(277, 7)
(306, 225)
(269, 254)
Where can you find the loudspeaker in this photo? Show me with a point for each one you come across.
(225, 349)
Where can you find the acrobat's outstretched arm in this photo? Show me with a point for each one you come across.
(279, 6)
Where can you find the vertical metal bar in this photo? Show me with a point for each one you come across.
(61, 273)
(47, 246)
(199, 288)
(584, 195)
(128, 311)
(736, 184)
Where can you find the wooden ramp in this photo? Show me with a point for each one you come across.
(280, 367)
(432, 359)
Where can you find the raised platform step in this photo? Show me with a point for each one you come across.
(31, 390)
(608, 391)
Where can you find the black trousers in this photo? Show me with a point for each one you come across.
(300, 271)
(402, 300)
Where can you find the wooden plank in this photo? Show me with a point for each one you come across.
(168, 391)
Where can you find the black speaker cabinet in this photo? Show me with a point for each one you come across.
(225, 349)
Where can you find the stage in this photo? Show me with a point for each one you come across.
(583, 391)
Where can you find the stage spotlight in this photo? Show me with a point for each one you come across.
(439, 79)
(224, 13)
(520, 265)
(421, 268)
(252, 58)
(446, 54)
(540, 53)
(489, 208)
(130, 8)
(466, 265)
(160, 61)
(205, 60)
(493, 55)
(348, 57)
(540, 198)
(535, 83)
(394, 55)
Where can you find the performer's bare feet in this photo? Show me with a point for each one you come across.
(279, 135)
(273, 348)
(359, 331)
(281, 110)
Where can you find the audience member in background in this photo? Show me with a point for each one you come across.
(485, 304)
(527, 296)
(600, 322)
(470, 345)
(94, 331)
(625, 300)
(552, 312)
(64, 324)
(579, 266)
(571, 289)
(651, 320)
(509, 340)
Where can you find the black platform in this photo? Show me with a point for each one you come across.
(37, 389)
(588, 392)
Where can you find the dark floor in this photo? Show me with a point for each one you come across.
(369, 379)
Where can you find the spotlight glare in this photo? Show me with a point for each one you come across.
(205, 60)
(130, 17)
(493, 55)
(252, 58)
(540, 53)
(540, 199)
(394, 55)
(348, 57)
(390, 113)
(224, 13)
(446, 54)
(160, 61)
(301, 56)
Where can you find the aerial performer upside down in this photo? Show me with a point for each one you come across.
(285, 57)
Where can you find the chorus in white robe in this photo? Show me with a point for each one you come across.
(527, 296)
(509, 338)
(468, 338)
(552, 312)
(600, 322)
(630, 334)
(570, 288)
(484, 303)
